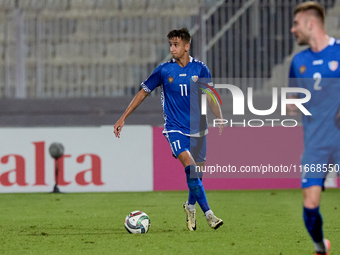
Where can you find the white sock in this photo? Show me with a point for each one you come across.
(191, 207)
(207, 213)
(320, 247)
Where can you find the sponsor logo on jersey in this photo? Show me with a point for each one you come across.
(317, 62)
(194, 78)
(170, 79)
(302, 69)
(333, 65)
(183, 74)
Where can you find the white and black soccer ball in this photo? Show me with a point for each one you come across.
(137, 222)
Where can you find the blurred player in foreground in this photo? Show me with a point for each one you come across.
(185, 132)
(317, 70)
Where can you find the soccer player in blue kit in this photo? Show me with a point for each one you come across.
(317, 70)
(185, 127)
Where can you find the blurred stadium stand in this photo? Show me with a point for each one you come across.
(57, 55)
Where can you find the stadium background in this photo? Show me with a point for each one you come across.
(69, 68)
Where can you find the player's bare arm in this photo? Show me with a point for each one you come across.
(136, 101)
(292, 109)
(216, 109)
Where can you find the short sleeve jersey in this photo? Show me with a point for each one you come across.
(319, 72)
(180, 96)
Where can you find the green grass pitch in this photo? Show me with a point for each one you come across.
(265, 222)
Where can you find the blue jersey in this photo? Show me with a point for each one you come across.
(319, 72)
(180, 96)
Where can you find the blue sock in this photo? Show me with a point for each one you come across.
(196, 187)
(313, 223)
(192, 199)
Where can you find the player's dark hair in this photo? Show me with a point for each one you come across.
(182, 33)
(318, 9)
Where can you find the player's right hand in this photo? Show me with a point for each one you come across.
(117, 128)
(291, 109)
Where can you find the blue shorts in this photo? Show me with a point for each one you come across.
(317, 164)
(197, 146)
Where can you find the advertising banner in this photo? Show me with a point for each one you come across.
(93, 161)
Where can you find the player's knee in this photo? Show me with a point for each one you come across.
(192, 172)
(311, 203)
(312, 196)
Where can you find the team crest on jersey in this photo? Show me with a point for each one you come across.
(170, 79)
(194, 78)
(302, 69)
(333, 65)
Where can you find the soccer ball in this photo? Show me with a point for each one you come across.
(137, 222)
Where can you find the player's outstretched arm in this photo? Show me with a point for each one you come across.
(216, 109)
(136, 101)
